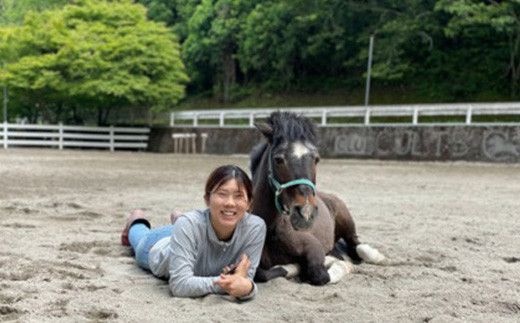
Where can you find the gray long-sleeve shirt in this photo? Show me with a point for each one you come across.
(193, 257)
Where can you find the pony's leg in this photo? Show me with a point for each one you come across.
(344, 225)
(265, 275)
(313, 271)
(313, 265)
(337, 268)
(355, 249)
(346, 229)
(371, 255)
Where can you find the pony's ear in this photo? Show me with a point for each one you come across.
(266, 130)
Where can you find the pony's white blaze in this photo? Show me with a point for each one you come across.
(299, 149)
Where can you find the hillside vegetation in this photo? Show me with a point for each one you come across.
(80, 61)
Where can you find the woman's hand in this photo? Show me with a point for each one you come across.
(237, 284)
(243, 266)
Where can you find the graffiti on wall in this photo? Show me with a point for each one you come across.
(457, 143)
(501, 146)
(400, 142)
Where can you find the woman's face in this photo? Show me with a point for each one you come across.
(227, 205)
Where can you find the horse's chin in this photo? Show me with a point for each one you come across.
(300, 223)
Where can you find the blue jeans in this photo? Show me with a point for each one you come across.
(142, 240)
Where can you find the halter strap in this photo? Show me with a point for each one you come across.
(281, 187)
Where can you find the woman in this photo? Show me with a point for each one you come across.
(216, 250)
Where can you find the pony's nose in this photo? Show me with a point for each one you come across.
(305, 211)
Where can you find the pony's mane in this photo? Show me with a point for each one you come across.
(286, 126)
(291, 127)
(256, 155)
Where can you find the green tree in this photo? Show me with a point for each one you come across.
(286, 41)
(501, 17)
(404, 33)
(211, 42)
(94, 56)
(12, 12)
(432, 48)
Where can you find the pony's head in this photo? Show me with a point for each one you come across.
(292, 158)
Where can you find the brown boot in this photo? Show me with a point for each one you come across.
(137, 216)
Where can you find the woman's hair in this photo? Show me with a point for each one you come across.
(223, 174)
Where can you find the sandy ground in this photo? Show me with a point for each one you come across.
(451, 230)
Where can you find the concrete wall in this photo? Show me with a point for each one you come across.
(472, 143)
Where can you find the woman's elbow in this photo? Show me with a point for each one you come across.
(178, 289)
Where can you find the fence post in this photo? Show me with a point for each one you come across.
(176, 139)
(172, 119)
(252, 119)
(324, 118)
(204, 137)
(6, 137)
(468, 114)
(196, 120)
(60, 130)
(415, 118)
(5, 134)
(221, 119)
(112, 148)
(367, 117)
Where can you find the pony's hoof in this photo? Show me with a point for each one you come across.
(340, 269)
(371, 255)
(318, 276)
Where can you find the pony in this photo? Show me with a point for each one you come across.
(304, 225)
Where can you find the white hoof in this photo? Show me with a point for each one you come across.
(336, 268)
(329, 260)
(339, 269)
(371, 255)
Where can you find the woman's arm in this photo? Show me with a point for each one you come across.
(253, 246)
(183, 282)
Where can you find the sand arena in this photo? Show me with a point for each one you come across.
(451, 231)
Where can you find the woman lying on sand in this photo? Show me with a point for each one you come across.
(216, 250)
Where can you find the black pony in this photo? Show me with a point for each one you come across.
(303, 224)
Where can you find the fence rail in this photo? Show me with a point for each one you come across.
(328, 114)
(60, 136)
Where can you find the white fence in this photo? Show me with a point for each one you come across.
(328, 114)
(60, 136)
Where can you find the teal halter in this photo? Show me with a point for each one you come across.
(281, 187)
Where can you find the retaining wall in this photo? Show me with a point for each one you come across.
(471, 143)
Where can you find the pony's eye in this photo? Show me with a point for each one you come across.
(279, 160)
(317, 159)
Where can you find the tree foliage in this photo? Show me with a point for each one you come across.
(12, 12)
(500, 19)
(427, 45)
(93, 56)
